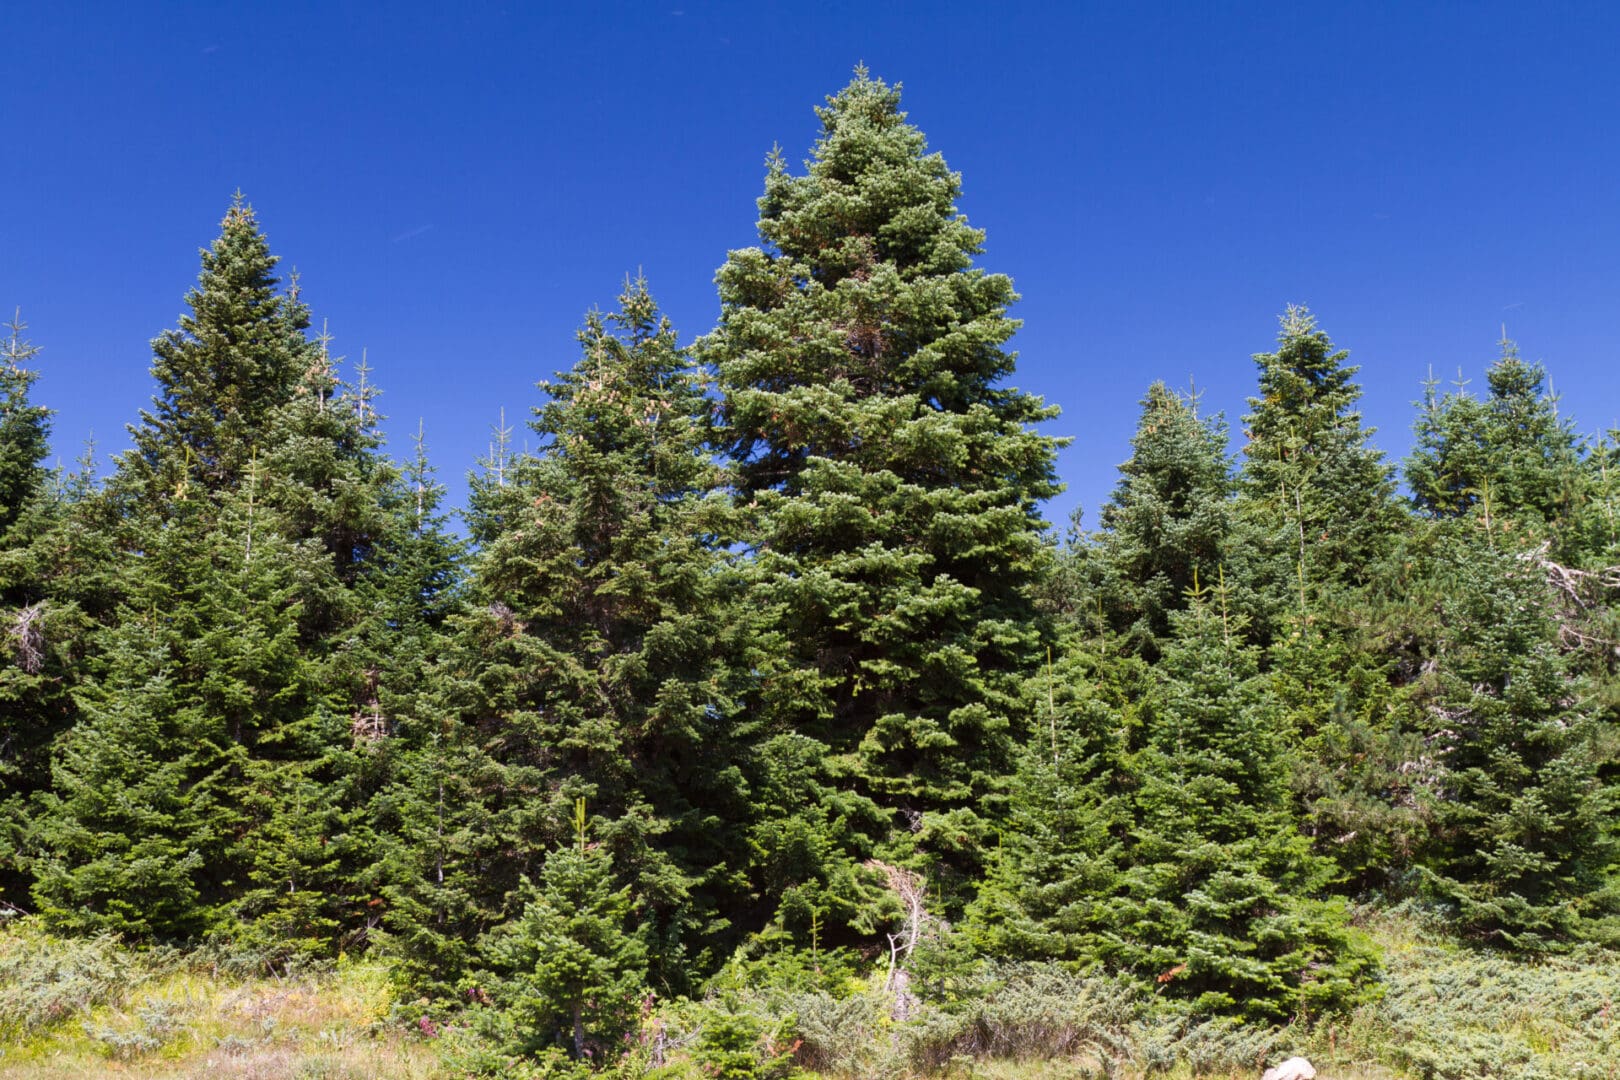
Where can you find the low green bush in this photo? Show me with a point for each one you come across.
(46, 980)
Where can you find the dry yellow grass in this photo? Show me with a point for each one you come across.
(191, 1024)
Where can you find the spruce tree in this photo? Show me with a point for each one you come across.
(1523, 843)
(571, 968)
(1222, 904)
(1319, 519)
(891, 475)
(1153, 835)
(1168, 522)
(24, 429)
(411, 784)
(1321, 497)
(1507, 458)
(1355, 739)
(594, 661)
(234, 360)
(1599, 533)
(161, 787)
(1052, 879)
(34, 666)
(250, 513)
(25, 729)
(58, 582)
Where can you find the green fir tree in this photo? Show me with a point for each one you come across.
(1320, 498)
(595, 659)
(1222, 905)
(250, 514)
(571, 968)
(1168, 522)
(1508, 458)
(1524, 845)
(891, 478)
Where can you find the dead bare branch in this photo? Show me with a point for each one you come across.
(27, 633)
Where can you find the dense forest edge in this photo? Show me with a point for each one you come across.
(758, 725)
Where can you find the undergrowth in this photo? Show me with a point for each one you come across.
(71, 1009)
(85, 1008)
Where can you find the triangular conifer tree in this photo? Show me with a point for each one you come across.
(1168, 521)
(593, 662)
(209, 787)
(1523, 842)
(1507, 457)
(892, 477)
(44, 573)
(571, 969)
(1320, 495)
(1221, 904)
(1051, 882)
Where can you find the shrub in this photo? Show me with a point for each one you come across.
(45, 980)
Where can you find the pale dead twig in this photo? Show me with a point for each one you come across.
(28, 636)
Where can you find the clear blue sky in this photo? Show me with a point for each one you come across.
(458, 183)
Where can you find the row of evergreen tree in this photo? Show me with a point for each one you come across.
(767, 657)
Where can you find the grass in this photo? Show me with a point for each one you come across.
(92, 1008)
(74, 1010)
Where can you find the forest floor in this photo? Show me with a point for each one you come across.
(83, 1010)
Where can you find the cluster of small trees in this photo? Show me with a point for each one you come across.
(767, 657)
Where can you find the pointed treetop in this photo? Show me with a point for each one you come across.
(238, 354)
(868, 102)
(1512, 377)
(17, 351)
(1297, 321)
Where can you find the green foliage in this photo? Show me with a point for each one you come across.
(892, 479)
(1169, 521)
(1179, 861)
(1358, 752)
(41, 628)
(47, 980)
(1047, 893)
(235, 358)
(897, 780)
(157, 822)
(1031, 1013)
(1507, 457)
(595, 658)
(24, 428)
(736, 1044)
(570, 969)
(1460, 1014)
(209, 785)
(1524, 844)
(1221, 904)
(1320, 498)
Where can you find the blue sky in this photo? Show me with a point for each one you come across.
(457, 184)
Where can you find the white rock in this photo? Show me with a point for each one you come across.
(1295, 1068)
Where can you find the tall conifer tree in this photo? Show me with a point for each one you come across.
(1321, 497)
(1507, 457)
(38, 631)
(892, 475)
(1168, 522)
(594, 662)
(1524, 843)
(1221, 904)
(24, 429)
(210, 786)
(1051, 883)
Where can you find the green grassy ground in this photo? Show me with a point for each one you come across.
(81, 1010)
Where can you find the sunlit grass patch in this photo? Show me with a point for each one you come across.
(77, 1009)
